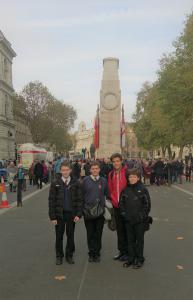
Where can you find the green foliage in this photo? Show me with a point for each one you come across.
(48, 118)
(164, 110)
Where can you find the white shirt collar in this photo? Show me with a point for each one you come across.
(95, 178)
(66, 180)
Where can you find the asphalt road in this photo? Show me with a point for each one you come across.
(27, 258)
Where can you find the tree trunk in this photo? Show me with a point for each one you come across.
(164, 151)
(169, 151)
(181, 152)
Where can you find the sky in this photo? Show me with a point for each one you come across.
(62, 44)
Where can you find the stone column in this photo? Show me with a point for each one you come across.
(110, 110)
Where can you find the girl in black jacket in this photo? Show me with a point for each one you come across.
(135, 205)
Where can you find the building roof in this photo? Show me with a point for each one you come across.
(6, 43)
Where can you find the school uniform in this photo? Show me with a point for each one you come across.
(65, 203)
(135, 205)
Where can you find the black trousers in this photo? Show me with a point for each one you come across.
(121, 232)
(66, 224)
(19, 192)
(135, 237)
(39, 181)
(94, 229)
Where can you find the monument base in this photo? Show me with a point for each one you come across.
(107, 151)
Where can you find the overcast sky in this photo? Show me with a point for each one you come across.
(62, 43)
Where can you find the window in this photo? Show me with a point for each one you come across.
(6, 106)
(6, 69)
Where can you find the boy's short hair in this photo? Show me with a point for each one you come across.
(135, 172)
(116, 155)
(95, 163)
(65, 164)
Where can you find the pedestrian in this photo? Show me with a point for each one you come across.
(95, 191)
(188, 170)
(65, 209)
(76, 169)
(11, 173)
(31, 175)
(135, 205)
(57, 165)
(39, 173)
(159, 171)
(180, 168)
(117, 182)
(20, 179)
(87, 168)
(146, 172)
(45, 172)
(105, 168)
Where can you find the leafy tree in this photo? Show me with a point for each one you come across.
(49, 119)
(164, 113)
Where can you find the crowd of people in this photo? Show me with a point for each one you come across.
(19, 177)
(157, 171)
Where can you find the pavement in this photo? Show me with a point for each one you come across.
(12, 196)
(27, 258)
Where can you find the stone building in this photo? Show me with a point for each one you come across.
(83, 138)
(22, 131)
(132, 150)
(7, 125)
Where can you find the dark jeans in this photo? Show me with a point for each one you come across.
(121, 232)
(94, 229)
(135, 237)
(39, 181)
(19, 192)
(159, 179)
(66, 224)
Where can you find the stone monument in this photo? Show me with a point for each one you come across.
(110, 110)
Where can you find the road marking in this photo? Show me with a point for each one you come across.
(182, 190)
(14, 204)
(82, 280)
(157, 219)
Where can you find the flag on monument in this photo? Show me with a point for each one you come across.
(96, 130)
(123, 132)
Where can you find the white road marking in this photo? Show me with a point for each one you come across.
(82, 280)
(157, 219)
(14, 204)
(182, 190)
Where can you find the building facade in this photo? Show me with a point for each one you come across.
(132, 149)
(22, 131)
(83, 138)
(7, 125)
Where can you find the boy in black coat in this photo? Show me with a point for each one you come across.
(65, 209)
(135, 205)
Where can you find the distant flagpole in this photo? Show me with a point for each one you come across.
(123, 132)
(96, 129)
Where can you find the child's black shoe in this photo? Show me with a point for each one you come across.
(127, 264)
(138, 264)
